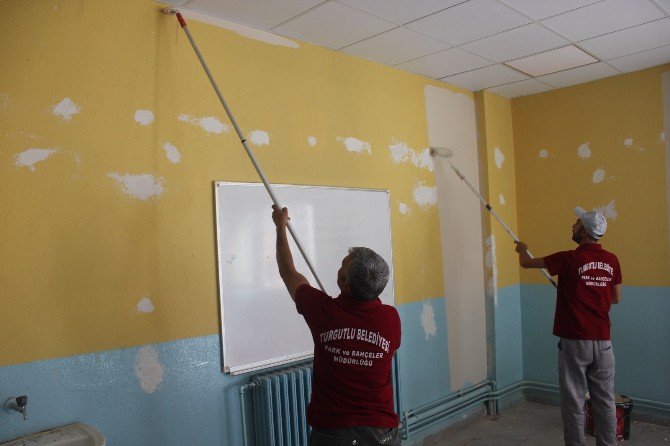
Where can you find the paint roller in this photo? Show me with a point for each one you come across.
(446, 153)
(243, 139)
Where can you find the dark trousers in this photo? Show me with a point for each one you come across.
(355, 436)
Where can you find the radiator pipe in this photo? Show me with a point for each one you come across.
(243, 389)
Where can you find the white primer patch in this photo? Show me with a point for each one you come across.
(210, 124)
(500, 158)
(491, 264)
(244, 31)
(66, 109)
(598, 175)
(148, 369)
(501, 199)
(628, 142)
(145, 305)
(584, 151)
(5, 101)
(544, 153)
(143, 186)
(404, 208)
(428, 320)
(172, 153)
(144, 117)
(355, 144)
(661, 137)
(608, 210)
(311, 140)
(30, 157)
(259, 138)
(401, 153)
(424, 196)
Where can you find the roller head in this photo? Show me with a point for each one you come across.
(443, 152)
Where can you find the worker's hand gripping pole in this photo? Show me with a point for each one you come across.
(243, 140)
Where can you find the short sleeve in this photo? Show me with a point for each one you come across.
(617, 279)
(310, 302)
(556, 262)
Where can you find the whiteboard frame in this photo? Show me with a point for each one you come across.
(239, 370)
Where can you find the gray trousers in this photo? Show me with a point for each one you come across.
(582, 366)
(355, 436)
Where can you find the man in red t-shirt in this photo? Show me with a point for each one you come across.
(355, 336)
(589, 282)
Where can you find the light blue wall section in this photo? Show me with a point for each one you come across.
(195, 404)
(640, 335)
(508, 341)
(423, 357)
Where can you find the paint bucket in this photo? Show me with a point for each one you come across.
(624, 406)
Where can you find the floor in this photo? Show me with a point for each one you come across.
(535, 424)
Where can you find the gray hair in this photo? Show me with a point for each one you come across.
(367, 273)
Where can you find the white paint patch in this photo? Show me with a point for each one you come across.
(428, 320)
(311, 140)
(355, 145)
(5, 101)
(661, 137)
(424, 196)
(491, 264)
(144, 117)
(66, 109)
(209, 124)
(598, 175)
(145, 305)
(172, 153)
(148, 369)
(500, 158)
(584, 151)
(259, 138)
(544, 153)
(628, 142)
(608, 210)
(401, 153)
(501, 199)
(404, 208)
(143, 186)
(244, 31)
(30, 157)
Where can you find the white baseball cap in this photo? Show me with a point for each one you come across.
(594, 222)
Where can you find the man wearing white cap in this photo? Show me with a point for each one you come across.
(589, 281)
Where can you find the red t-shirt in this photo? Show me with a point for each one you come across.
(354, 343)
(586, 279)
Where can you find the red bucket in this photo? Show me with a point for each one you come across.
(624, 406)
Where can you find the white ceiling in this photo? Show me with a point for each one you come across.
(474, 44)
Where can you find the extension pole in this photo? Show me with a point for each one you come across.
(243, 140)
(490, 209)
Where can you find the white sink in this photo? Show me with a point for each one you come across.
(75, 434)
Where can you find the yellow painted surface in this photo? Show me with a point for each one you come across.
(78, 252)
(604, 114)
(497, 122)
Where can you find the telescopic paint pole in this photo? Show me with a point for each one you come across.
(243, 140)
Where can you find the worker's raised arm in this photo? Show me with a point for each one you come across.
(291, 277)
(525, 260)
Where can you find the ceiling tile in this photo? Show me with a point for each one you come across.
(486, 77)
(628, 41)
(665, 4)
(541, 9)
(578, 75)
(521, 88)
(445, 63)
(263, 14)
(519, 42)
(552, 61)
(395, 46)
(400, 11)
(603, 18)
(469, 21)
(334, 26)
(640, 61)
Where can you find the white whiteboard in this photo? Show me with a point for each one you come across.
(260, 326)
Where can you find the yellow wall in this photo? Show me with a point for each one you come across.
(78, 252)
(621, 118)
(496, 134)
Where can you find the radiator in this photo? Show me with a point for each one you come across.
(280, 406)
